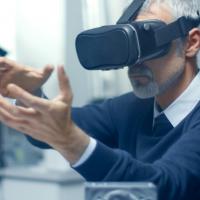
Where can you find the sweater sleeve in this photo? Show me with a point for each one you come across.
(176, 174)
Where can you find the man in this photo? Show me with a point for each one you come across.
(155, 137)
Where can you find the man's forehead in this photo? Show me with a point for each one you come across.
(156, 11)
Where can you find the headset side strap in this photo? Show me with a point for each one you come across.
(177, 29)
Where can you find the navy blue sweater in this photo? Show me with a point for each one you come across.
(127, 150)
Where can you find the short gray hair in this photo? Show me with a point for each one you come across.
(178, 8)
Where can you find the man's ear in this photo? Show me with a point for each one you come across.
(193, 43)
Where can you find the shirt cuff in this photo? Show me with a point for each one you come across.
(87, 153)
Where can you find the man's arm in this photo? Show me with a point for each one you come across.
(177, 173)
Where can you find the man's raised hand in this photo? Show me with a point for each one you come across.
(26, 77)
(47, 120)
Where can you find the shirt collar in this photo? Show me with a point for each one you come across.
(183, 105)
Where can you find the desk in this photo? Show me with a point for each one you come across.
(33, 184)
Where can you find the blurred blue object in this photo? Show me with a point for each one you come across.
(3, 52)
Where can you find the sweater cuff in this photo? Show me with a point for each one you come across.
(102, 157)
(87, 153)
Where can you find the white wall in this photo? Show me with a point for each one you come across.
(46, 32)
(41, 34)
(8, 26)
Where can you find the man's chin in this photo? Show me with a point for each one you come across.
(143, 96)
(146, 91)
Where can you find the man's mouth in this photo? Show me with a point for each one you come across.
(142, 79)
(140, 74)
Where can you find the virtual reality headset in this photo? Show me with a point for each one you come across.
(129, 42)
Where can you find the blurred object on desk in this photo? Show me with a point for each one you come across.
(39, 183)
(120, 191)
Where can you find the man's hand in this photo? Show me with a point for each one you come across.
(26, 77)
(47, 120)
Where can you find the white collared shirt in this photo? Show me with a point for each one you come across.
(184, 104)
(175, 112)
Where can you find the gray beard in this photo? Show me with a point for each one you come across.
(152, 89)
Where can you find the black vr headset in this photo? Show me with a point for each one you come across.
(129, 42)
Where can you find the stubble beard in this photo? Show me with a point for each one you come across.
(152, 89)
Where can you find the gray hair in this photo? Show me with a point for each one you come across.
(178, 8)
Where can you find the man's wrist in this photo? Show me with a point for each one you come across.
(74, 148)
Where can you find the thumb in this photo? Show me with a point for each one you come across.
(64, 85)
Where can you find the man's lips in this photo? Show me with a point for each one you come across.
(139, 78)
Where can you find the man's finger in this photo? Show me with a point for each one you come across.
(47, 71)
(4, 66)
(15, 123)
(26, 98)
(6, 63)
(64, 84)
(3, 69)
(8, 118)
(16, 110)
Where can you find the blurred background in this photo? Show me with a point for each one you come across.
(39, 32)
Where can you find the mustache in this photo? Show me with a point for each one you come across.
(140, 70)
